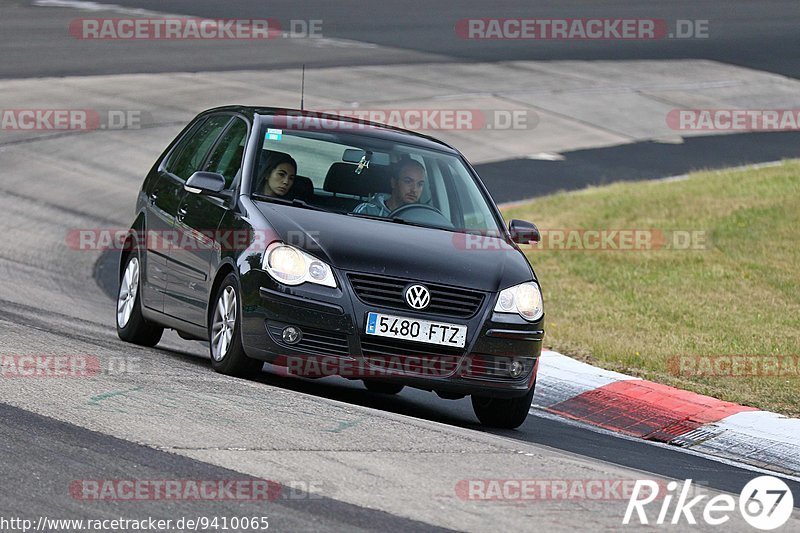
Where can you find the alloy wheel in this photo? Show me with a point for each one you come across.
(128, 290)
(224, 323)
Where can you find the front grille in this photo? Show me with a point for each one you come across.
(482, 366)
(390, 292)
(314, 341)
(411, 358)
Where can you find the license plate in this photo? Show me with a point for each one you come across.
(412, 329)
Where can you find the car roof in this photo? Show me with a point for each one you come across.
(375, 129)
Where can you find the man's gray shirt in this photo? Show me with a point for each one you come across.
(375, 207)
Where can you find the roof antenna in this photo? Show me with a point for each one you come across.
(303, 88)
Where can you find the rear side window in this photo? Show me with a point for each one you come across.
(226, 158)
(192, 151)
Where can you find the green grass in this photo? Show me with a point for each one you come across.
(635, 311)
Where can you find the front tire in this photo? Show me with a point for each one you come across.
(503, 413)
(225, 333)
(131, 325)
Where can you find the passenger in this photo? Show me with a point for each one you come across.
(407, 187)
(279, 174)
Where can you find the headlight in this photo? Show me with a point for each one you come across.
(524, 299)
(292, 266)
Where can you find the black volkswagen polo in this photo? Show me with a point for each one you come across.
(326, 245)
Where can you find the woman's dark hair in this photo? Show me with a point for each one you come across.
(271, 162)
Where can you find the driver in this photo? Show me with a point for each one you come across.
(407, 187)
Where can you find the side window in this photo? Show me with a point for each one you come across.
(184, 140)
(473, 218)
(194, 150)
(435, 182)
(226, 158)
(474, 209)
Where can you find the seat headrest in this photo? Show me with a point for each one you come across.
(302, 189)
(342, 179)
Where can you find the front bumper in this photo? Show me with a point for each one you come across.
(333, 322)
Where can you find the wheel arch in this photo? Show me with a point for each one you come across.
(224, 270)
(131, 242)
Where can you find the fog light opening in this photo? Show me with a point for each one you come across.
(291, 335)
(516, 369)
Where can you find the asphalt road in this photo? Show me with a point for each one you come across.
(761, 35)
(174, 418)
(517, 179)
(36, 487)
(753, 34)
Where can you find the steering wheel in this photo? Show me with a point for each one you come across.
(422, 213)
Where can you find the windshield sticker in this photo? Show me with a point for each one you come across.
(274, 135)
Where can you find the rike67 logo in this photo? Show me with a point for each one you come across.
(766, 503)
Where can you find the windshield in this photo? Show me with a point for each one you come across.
(359, 175)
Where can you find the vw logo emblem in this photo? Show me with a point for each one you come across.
(418, 296)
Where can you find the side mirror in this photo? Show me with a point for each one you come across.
(205, 183)
(523, 232)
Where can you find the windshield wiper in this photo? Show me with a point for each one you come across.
(296, 202)
(396, 220)
(378, 217)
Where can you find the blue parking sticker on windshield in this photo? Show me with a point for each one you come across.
(372, 318)
(274, 135)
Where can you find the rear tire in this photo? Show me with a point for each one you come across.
(225, 333)
(131, 325)
(383, 387)
(504, 413)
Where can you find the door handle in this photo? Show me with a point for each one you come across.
(153, 198)
(181, 214)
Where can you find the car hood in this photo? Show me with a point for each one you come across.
(395, 250)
